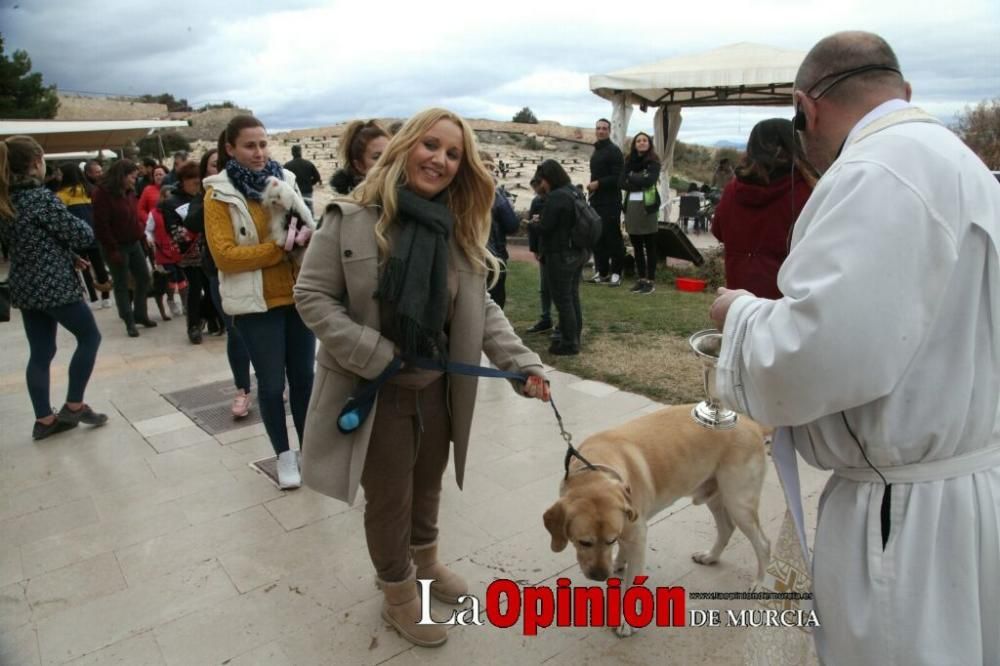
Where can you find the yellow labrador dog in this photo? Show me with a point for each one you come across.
(642, 467)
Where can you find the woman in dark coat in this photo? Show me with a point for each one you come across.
(122, 237)
(44, 240)
(561, 261)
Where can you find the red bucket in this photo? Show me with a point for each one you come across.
(690, 284)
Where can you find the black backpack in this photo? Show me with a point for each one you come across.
(587, 228)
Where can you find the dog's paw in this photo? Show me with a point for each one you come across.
(704, 557)
(625, 630)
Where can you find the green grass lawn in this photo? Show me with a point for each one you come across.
(635, 342)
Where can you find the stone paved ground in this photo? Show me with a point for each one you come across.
(150, 542)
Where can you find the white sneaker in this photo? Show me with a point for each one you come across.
(616, 280)
(289, 476)
(596, 277)
(175, 308)
(105, 303)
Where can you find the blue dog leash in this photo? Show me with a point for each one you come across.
(360, 404)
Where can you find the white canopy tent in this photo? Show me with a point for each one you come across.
(68, 136)
(742, 74)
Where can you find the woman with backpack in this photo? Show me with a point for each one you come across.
(561, 260)
(642, 201)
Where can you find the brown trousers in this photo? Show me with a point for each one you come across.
(406, 459)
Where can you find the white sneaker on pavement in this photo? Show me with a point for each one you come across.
(289, 476)
(105, 303)
(175, 308)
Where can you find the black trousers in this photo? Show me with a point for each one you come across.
(645, 255)
(197, 289)
(133, 263)
(563, 271)
(609, 253)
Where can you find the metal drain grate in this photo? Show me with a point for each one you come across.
(209, 406)
(268, 467)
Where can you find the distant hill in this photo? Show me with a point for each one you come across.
(691, 161)
(735, 145)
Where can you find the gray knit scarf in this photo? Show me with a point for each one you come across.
(415, 278)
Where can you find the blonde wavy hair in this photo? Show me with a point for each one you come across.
(470, 194)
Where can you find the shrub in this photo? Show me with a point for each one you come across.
(525, 115)
(533, 143)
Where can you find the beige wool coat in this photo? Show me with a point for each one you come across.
(334, 294)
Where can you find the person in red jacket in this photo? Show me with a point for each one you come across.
(150, 194)
(758, 209)
(122, 235)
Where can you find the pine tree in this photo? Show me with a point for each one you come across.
(22, 94)
(525, 115)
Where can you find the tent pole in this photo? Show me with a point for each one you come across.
(621, 112)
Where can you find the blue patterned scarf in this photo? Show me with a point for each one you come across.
(251, 183)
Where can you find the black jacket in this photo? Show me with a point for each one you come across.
(606, 166)
(343, 181)
(640, 174)
(504, 221)
(534, 230)
(306, 175)
(558, 218)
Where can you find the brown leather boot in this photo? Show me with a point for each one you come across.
(401, 609)
(448, 586)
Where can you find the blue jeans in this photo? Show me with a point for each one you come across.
(280, 345)
(236, 349)
(40, 326)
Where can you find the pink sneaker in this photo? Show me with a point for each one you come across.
(241, 405)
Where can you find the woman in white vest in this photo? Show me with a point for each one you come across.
(256, 277)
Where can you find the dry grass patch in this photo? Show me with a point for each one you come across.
(637, 343)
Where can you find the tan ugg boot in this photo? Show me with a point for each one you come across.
(448, 586)
(401, 609)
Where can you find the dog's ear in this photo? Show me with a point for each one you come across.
(555, 523)
(630, 513)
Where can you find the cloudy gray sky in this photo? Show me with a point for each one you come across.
(313, 63)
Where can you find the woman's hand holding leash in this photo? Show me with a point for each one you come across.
(536, 387)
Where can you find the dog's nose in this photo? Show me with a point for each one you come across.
(598, 574)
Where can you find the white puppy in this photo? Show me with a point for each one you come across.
(282, 199)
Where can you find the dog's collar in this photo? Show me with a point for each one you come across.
(598, 467)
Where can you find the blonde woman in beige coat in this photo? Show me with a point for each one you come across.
(400, 269)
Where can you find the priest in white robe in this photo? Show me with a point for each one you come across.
(883, 361)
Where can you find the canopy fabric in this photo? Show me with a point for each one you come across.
(740, 74)
(743, 73)
(67, 136)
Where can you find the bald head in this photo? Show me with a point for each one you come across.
(841, 52)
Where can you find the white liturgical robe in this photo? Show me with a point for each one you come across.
(890, 329)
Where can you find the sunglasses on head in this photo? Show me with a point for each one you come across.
(799, 122)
